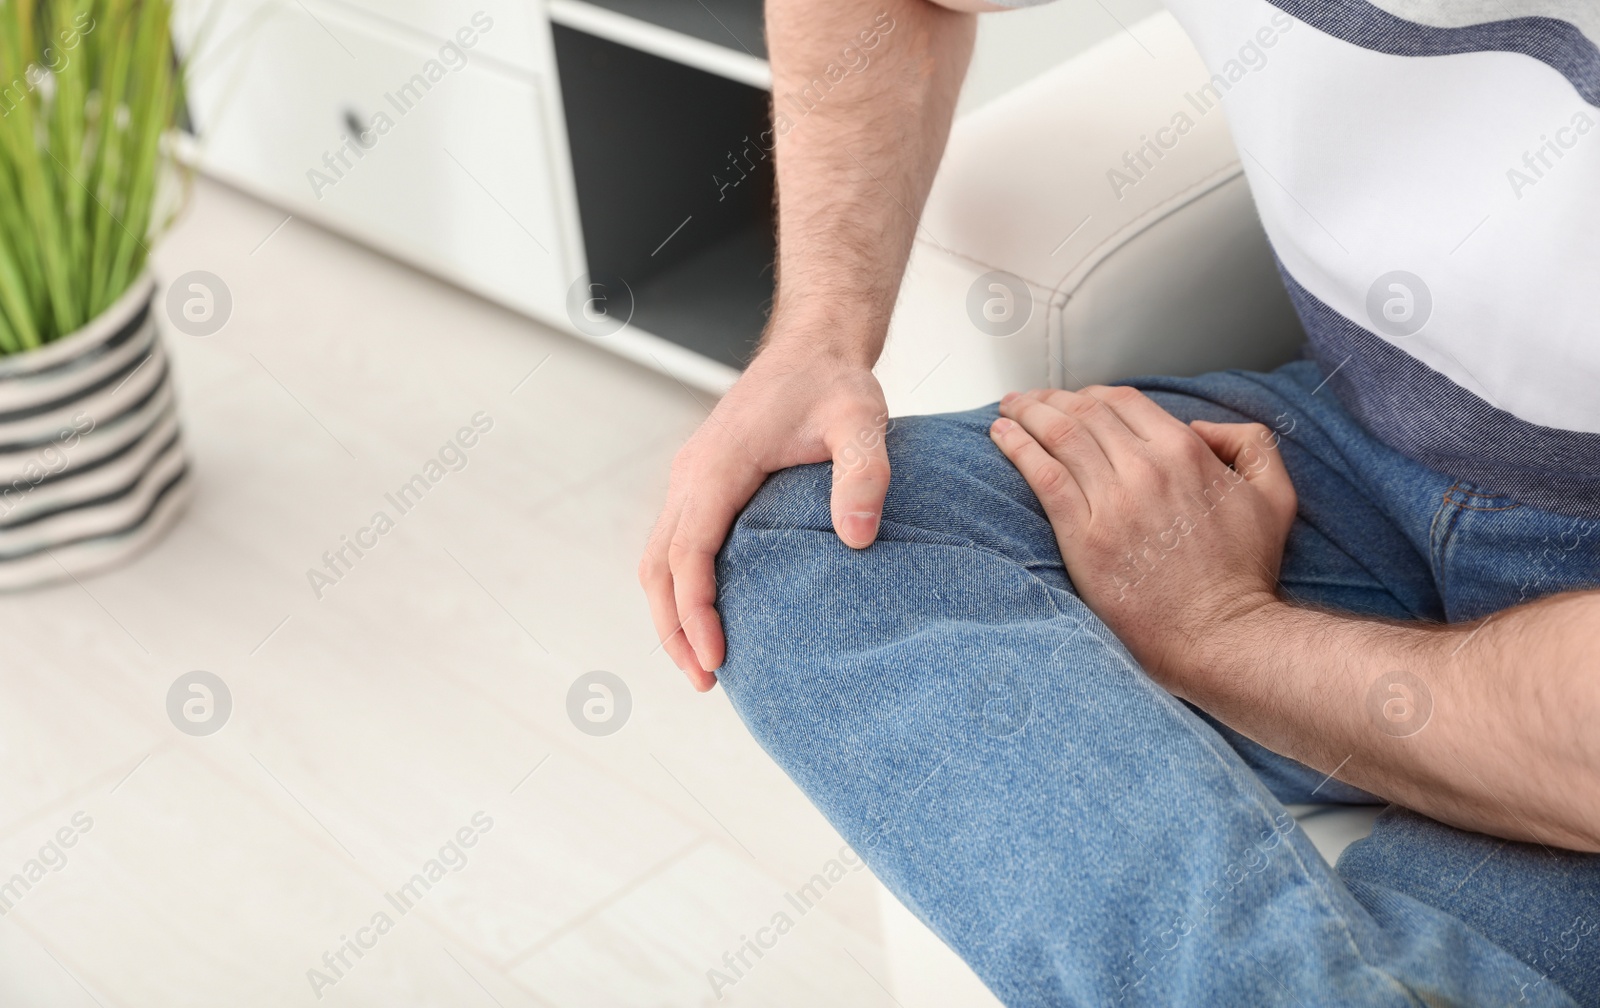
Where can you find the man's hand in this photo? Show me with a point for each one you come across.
(1173, 535)
(1170, 532)
(852, 177)
(791, 407)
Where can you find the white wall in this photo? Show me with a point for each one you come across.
(1016, 46)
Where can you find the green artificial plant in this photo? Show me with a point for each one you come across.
(89, 93)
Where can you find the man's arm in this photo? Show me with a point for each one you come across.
(1173, 535)
(1492, 726)
(853, 172)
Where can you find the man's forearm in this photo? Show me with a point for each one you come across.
(855, 156)
(1489, 726)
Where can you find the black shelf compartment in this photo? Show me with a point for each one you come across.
(674, 191)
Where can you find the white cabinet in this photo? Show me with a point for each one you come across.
(520, 148)
(514, 39)
(434, 153)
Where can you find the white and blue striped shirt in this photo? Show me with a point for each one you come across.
(1428, 173)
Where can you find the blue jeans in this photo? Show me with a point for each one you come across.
(1074, 832)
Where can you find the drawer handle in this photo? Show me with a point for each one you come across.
(358, 130)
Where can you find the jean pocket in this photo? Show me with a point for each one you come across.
(1492, 552)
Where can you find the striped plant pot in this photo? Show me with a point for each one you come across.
(92, 468)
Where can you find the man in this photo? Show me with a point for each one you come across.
(1057, 679)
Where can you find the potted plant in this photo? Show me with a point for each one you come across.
(92, 468)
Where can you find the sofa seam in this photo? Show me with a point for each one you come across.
(1154, 215)
(1057, 295)
(1138, 225)
(1100, 254)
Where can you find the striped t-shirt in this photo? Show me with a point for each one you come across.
(1428, 173)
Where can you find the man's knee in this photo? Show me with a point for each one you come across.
(948, 483)
(822, 637)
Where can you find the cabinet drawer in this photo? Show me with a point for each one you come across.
(511, 36)
(366, 127)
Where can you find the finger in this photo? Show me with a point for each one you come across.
(1142, 416)
(655, 576)
(1128, 454)
(1051, 482)
(1252, 450)
(860, 478)
(1093, 407)
(1064, 437)
(692, 553)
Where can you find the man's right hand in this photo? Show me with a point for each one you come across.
(792, 406)
(853, 171)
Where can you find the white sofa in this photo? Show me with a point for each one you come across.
(1165, 271)
(1170, 274)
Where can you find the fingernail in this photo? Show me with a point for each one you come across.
(1009, 398)
(1002, 425)
(861, 526)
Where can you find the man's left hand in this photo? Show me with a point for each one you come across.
(1172, 533)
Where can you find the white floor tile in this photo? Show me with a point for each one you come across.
(710, 929)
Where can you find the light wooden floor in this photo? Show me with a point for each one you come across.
(426, 686)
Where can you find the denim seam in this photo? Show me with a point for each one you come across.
(1466, 493)
(1439, 536)
(1478, 507)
